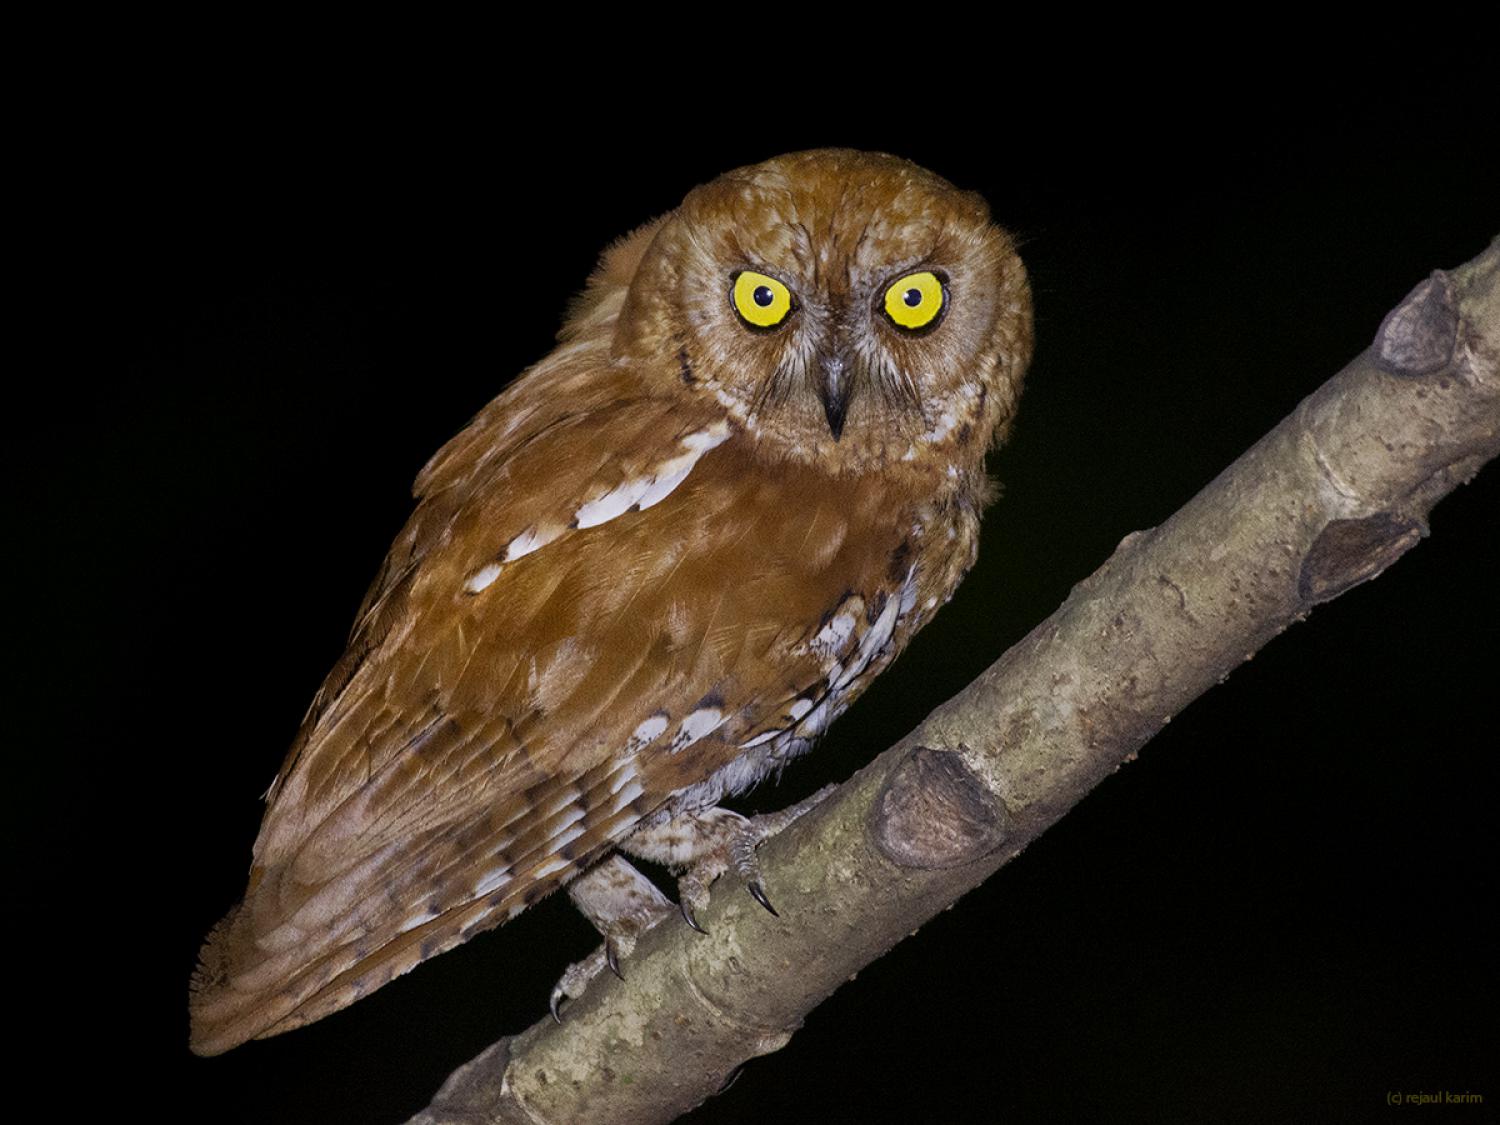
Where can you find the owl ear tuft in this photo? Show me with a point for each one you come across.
(980, 204)
(617, 265)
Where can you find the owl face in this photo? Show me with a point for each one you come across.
(850, 307)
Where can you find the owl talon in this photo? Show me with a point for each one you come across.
(554, 1004)
(612, 959)
(759, 895)
(687, 914)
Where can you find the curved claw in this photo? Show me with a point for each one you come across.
(759, 895)
(612, 958)
(554, 1003)
(687, 915)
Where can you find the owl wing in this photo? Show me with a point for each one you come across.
(563, 639)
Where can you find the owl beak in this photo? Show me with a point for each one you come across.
(835, 391)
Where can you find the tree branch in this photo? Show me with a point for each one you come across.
(1328, 499)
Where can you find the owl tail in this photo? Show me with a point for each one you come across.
(231, 998)
(215, 1009)
(238, 992)
(209, 981)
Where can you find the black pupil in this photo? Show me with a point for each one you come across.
(763, 296)
(912, 297)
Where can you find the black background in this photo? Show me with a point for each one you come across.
(272, 315)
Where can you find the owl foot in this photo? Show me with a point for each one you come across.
(622, 904)
(707, 843)
(577, 977)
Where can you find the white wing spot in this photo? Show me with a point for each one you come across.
(816, 722)
(482, 578)
(623, 777)
(569, 796)
(615, 502)
(529, 540)
(492, 880)
(835, 635)
(642, 492)
(572, 817)
(704, 440)
(878, 636)
(558, 843)
(661, 486)
(413, 922)
(551, 867)
(760, 739)
(909, 590)
(629, 793)
(649, 731)
(701, 722)
(880, 632)
(799, 708)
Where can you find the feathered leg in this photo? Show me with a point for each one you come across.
(703, 845)
(623, 904)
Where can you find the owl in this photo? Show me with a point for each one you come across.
(647, 575)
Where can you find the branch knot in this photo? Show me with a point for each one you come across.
(934, 812)
(1417, 337)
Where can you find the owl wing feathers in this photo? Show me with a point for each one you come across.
(563, 638)
(642, 577)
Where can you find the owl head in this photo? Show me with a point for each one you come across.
(844, 307)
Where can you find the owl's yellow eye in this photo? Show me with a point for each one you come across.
(761, 301)
(916, 301)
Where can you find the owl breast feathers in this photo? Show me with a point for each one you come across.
(647, 574)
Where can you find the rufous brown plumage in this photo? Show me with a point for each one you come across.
(645, 576)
